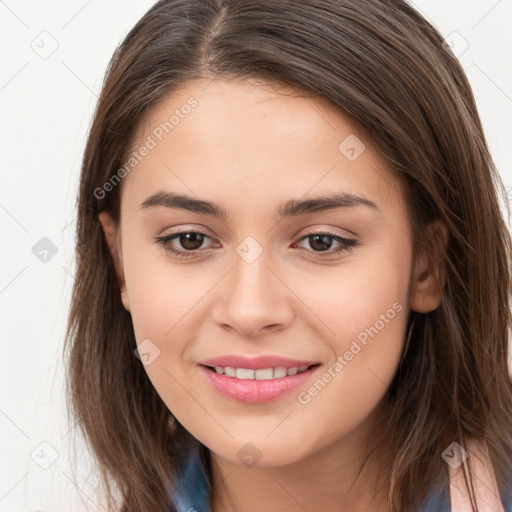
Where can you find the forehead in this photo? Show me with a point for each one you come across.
(232, 140)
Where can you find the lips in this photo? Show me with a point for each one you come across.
(256, 380)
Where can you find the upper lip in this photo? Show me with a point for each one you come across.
(256, 363)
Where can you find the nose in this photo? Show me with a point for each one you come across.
(253, 300)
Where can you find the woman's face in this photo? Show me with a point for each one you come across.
(263, 173)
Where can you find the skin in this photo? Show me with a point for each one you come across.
(249, 147)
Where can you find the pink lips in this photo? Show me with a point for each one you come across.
(255, 391)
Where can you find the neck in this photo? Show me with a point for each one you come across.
(340, 476)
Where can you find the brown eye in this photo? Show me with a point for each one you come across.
(322, 242)
(191, 241)
(186, 243)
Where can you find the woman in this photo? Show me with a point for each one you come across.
(223, 353)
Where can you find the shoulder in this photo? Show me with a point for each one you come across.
(455, 498)
(484, 481)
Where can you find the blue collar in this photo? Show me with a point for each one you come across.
(192, 486)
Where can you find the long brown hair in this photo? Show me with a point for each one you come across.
(386, 68)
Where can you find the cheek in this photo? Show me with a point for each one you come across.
(162, 295)
(368, 316)
(363, 309)
(363, 291)
(165, 305)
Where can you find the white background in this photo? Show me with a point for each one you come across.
(45, 109)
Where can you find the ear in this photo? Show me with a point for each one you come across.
(428, 274)
(111, 236)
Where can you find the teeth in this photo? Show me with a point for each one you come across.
(279, 373)
(230, 372)
(262, 374)
(244, 374)
(266, 374)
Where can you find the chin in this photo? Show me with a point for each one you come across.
(259, 454)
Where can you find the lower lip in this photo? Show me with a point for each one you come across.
(255, 391)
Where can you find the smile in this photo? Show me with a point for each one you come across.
(260, 374)
(256, 386)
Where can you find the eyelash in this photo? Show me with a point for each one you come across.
(347, 243)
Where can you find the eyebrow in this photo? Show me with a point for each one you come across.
(291, 208)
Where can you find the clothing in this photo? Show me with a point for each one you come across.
(193, 493)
